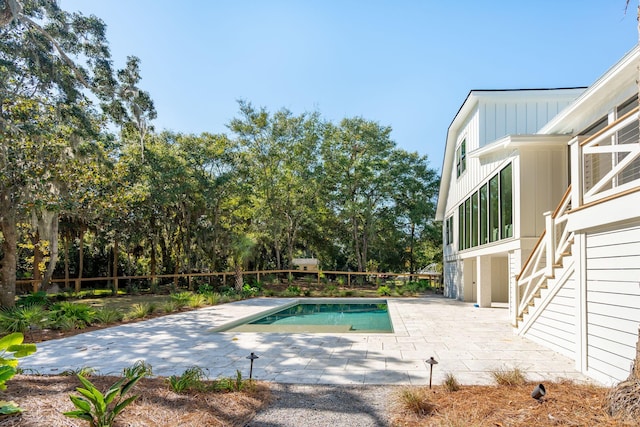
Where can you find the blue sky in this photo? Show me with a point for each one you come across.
(405, 64)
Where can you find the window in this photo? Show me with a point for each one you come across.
(474, 219)
(487, 215)
(493, 209)
(461, 227)
(461, 158)
(450, 228)
(628, 135)
(467, 224)
(484, 219)
(506, 203)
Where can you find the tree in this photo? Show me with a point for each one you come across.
(48, 60)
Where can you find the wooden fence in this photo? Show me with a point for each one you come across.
(220, 279)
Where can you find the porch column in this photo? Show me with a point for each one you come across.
(483, 275)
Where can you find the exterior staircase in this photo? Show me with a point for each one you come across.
(547, 269)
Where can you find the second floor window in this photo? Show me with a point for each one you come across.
(461, 158)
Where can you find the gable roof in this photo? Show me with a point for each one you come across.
(467, 107)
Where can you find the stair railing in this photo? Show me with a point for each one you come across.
(552, 245)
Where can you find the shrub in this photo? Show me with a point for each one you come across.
(416, 400)
(509, 377)
(140, 367)
(108, 315)
(292, 291)
(181, 298)
(80, 315)
(205, 289)
(21, 319)
(197, 300)
(450, 383)
(213, 298)
(34, 298)
(140, 311)
(101, 409)
(233, 384)
(190, 379)
(384, 291)
(170, 306)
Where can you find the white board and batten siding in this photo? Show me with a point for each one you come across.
(613, 301)
(555, 328)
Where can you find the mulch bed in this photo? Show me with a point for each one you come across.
(45, 398)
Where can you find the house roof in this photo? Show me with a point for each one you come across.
(614, 86)
(459, 121)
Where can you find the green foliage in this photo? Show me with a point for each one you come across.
(9, 408)
(197, 300)
(384, 291)
(182, 299)
(106, 315)
(416, 400)
(233, 384)
(11, 349)
(331, 290)
(21, 319)
(85, 371)
(191, 379)
(34, 298)
(292, 291)
(205, 289)
(101, 409)
(140, 311)
(170, 306)
(64, 313)
(250, 291)
(213, 298)
(139, 368)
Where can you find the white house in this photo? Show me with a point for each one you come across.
(540, 203)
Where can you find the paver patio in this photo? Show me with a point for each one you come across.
(468, 342)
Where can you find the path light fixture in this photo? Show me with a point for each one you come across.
(539, 392)
(431, 362)
(252, 357)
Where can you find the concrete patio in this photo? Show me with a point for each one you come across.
(467, 342)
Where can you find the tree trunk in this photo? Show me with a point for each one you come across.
(115, 266)
(9, 251)
(37, 260)
(66, 260)
(80, 260)
(238, 278)
(53, 253)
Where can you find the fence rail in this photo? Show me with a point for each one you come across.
(189, 279)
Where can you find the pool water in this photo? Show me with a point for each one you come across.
(311, 317)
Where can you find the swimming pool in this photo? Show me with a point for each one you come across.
(370, 316)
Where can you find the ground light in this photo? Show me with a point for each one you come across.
(539, 392)
(431, 362)
(252, 357)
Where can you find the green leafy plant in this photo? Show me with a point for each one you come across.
(140, 367)
(190, 379)
(233, 384)
(213, 298)
(81, 315)
(292, 291)
(34, 298)
(21, 319)
(384, 290)
(85, 371)
(108, 315)
(140, 311)
(197, 300)
(11, 349)
(170, 306)
(101, 409)
(181, 298)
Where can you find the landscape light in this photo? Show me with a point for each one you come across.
(251, 357)
(431, 362)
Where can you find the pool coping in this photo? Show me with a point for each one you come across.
(229, 327)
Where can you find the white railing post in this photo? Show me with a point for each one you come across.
(550, 242)
(515, 302)
(577, 165)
